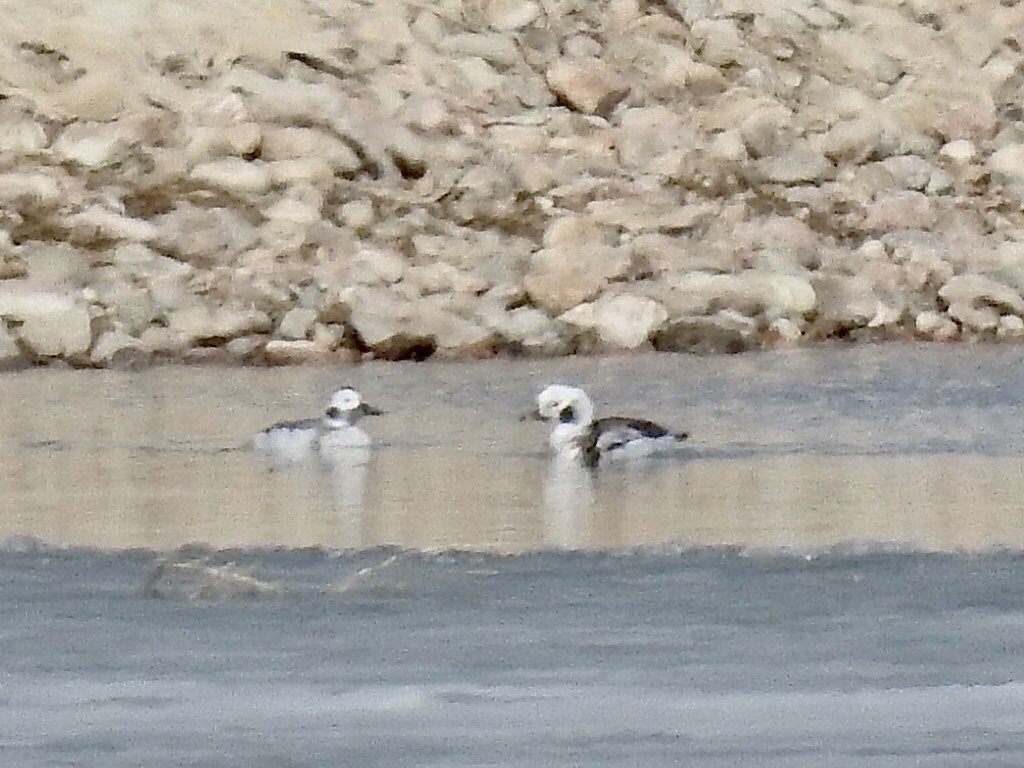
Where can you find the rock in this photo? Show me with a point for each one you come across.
(751, 293)
(511, 14)
(623, 321)
(935, 326)
(654, 139)
(899, 210)
(796, 166)
(524, 329)
(1010, 327)
(204, 237)
(115, 346)
(10, 354)
(202, 324)
(587, 85)
(297, 323)
(843, 303)
(94, 145)
(977, 302)
(640, 214)
(960, 151)
(725, 331)
(95, 224)
(294, 143)
(1008, 161)
(234, 175)
(52, 325)
(560, 277)
(301, 351)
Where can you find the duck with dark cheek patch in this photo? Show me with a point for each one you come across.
(577, 435)
(336, 430)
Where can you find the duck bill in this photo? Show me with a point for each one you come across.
(365, 409)
(531, 415)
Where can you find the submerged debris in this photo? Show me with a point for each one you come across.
(196, 580)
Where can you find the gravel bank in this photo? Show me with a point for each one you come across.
(286, 181)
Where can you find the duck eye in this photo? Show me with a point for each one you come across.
(567, 415)
(333, 413)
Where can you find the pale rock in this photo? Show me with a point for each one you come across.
(234, 175)
(581, 46)
(451, 334)
(296, 352)
(357, 214)
(765, 125)
(301, 171)
(899, 210)
(297, 323)
(843, 303)
(36, 188)
(977, 301)
(506, 15)
(22, 137)
(300, 205)
(654, 139)
(639, 214)
(113, 345)
(587, 85)
(492, 47)
(385, 323)
(245, 347)
(527, 328)
(202, 323)
(785, 330)
(163, 342)
(886, 315)
(785, 234)
(560, 278)
(935, 326)
(960, 151)
(1010, 327)
(218, 141)
(94, 145)
(801, 164)
(751, 293)
(52, 325)
(719, 42)
(56, 264)
(9, 351)
(909, 171)
(852, 140)
(439, 277)
(1008, 161)
(96, 223)
(623, 321)
(204, 237)
(377, 266)
(573, 232)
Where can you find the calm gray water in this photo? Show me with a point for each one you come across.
(830, 574)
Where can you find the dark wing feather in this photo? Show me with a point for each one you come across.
(613, 432)
(292, 425)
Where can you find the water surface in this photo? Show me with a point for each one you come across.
(829, 574)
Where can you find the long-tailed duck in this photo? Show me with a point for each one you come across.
(576, 434)
(335, 431)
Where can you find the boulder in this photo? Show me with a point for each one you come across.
(587, 84)
(51, 324)
(623, 321)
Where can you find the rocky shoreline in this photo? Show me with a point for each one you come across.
(289, 182)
